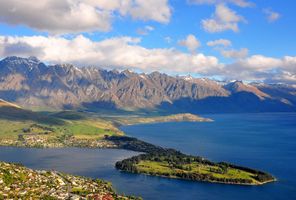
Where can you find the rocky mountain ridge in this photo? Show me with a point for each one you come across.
(34, 84)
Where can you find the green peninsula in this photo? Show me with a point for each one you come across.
(173, 164)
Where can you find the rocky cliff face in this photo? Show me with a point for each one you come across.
(31, 83)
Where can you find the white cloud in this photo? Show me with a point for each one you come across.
(236, 54)
(262, 68)
(126, 52)
(240, 3)
(190, 42)
(261, 62)
(271, 16)
(157, 10)
(122, 52)
(145, 31)
(74, 16)
(219, 42)
(223, 19)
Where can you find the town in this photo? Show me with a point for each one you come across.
(19, 182)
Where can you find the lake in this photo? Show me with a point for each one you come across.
(262, 141)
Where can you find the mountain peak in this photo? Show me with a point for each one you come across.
(34, 59)
(17, 59)
(22, 65)
(239, 86)
(187, 78)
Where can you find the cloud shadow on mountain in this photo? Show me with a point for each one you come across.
(236, 103)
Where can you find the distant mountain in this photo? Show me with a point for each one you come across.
(32, 84)
(4, 103)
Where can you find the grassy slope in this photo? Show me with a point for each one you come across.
(14, 120)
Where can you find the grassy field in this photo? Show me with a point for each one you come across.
(89, 128)
(15, 121)
(149, 167)
(11, 129)
(86, 128)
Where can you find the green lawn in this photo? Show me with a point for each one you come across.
(165, 168)
(90, 128)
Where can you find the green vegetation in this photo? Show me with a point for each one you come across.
(80, 191)
(47, 197)
(173, 164)
(133, 144)
(21, 127)
(18, 124)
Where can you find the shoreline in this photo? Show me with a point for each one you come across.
(144, 148)
(217, 182)
(123, 142)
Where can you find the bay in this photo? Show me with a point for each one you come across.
(265, 141)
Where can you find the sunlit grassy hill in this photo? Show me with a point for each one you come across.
(15, 121)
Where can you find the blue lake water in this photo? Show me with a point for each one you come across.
(263, 141)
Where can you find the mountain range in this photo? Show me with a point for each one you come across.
(33, 84)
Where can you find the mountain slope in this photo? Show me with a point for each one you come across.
(33, 84)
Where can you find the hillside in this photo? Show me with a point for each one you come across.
(32, 84)
(19, 182)
(26, 128)
(20, 127)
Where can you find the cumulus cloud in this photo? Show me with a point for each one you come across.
(236, 54)
(74, 16)
(240, 3)
(121, 52)
(271, 16)
(126, 52)
(157, 10)
(190, 42)
(145, 31)
(222, 45)
(262, 68)
(219, 42)
(223, 19)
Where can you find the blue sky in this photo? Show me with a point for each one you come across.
(165, 35)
